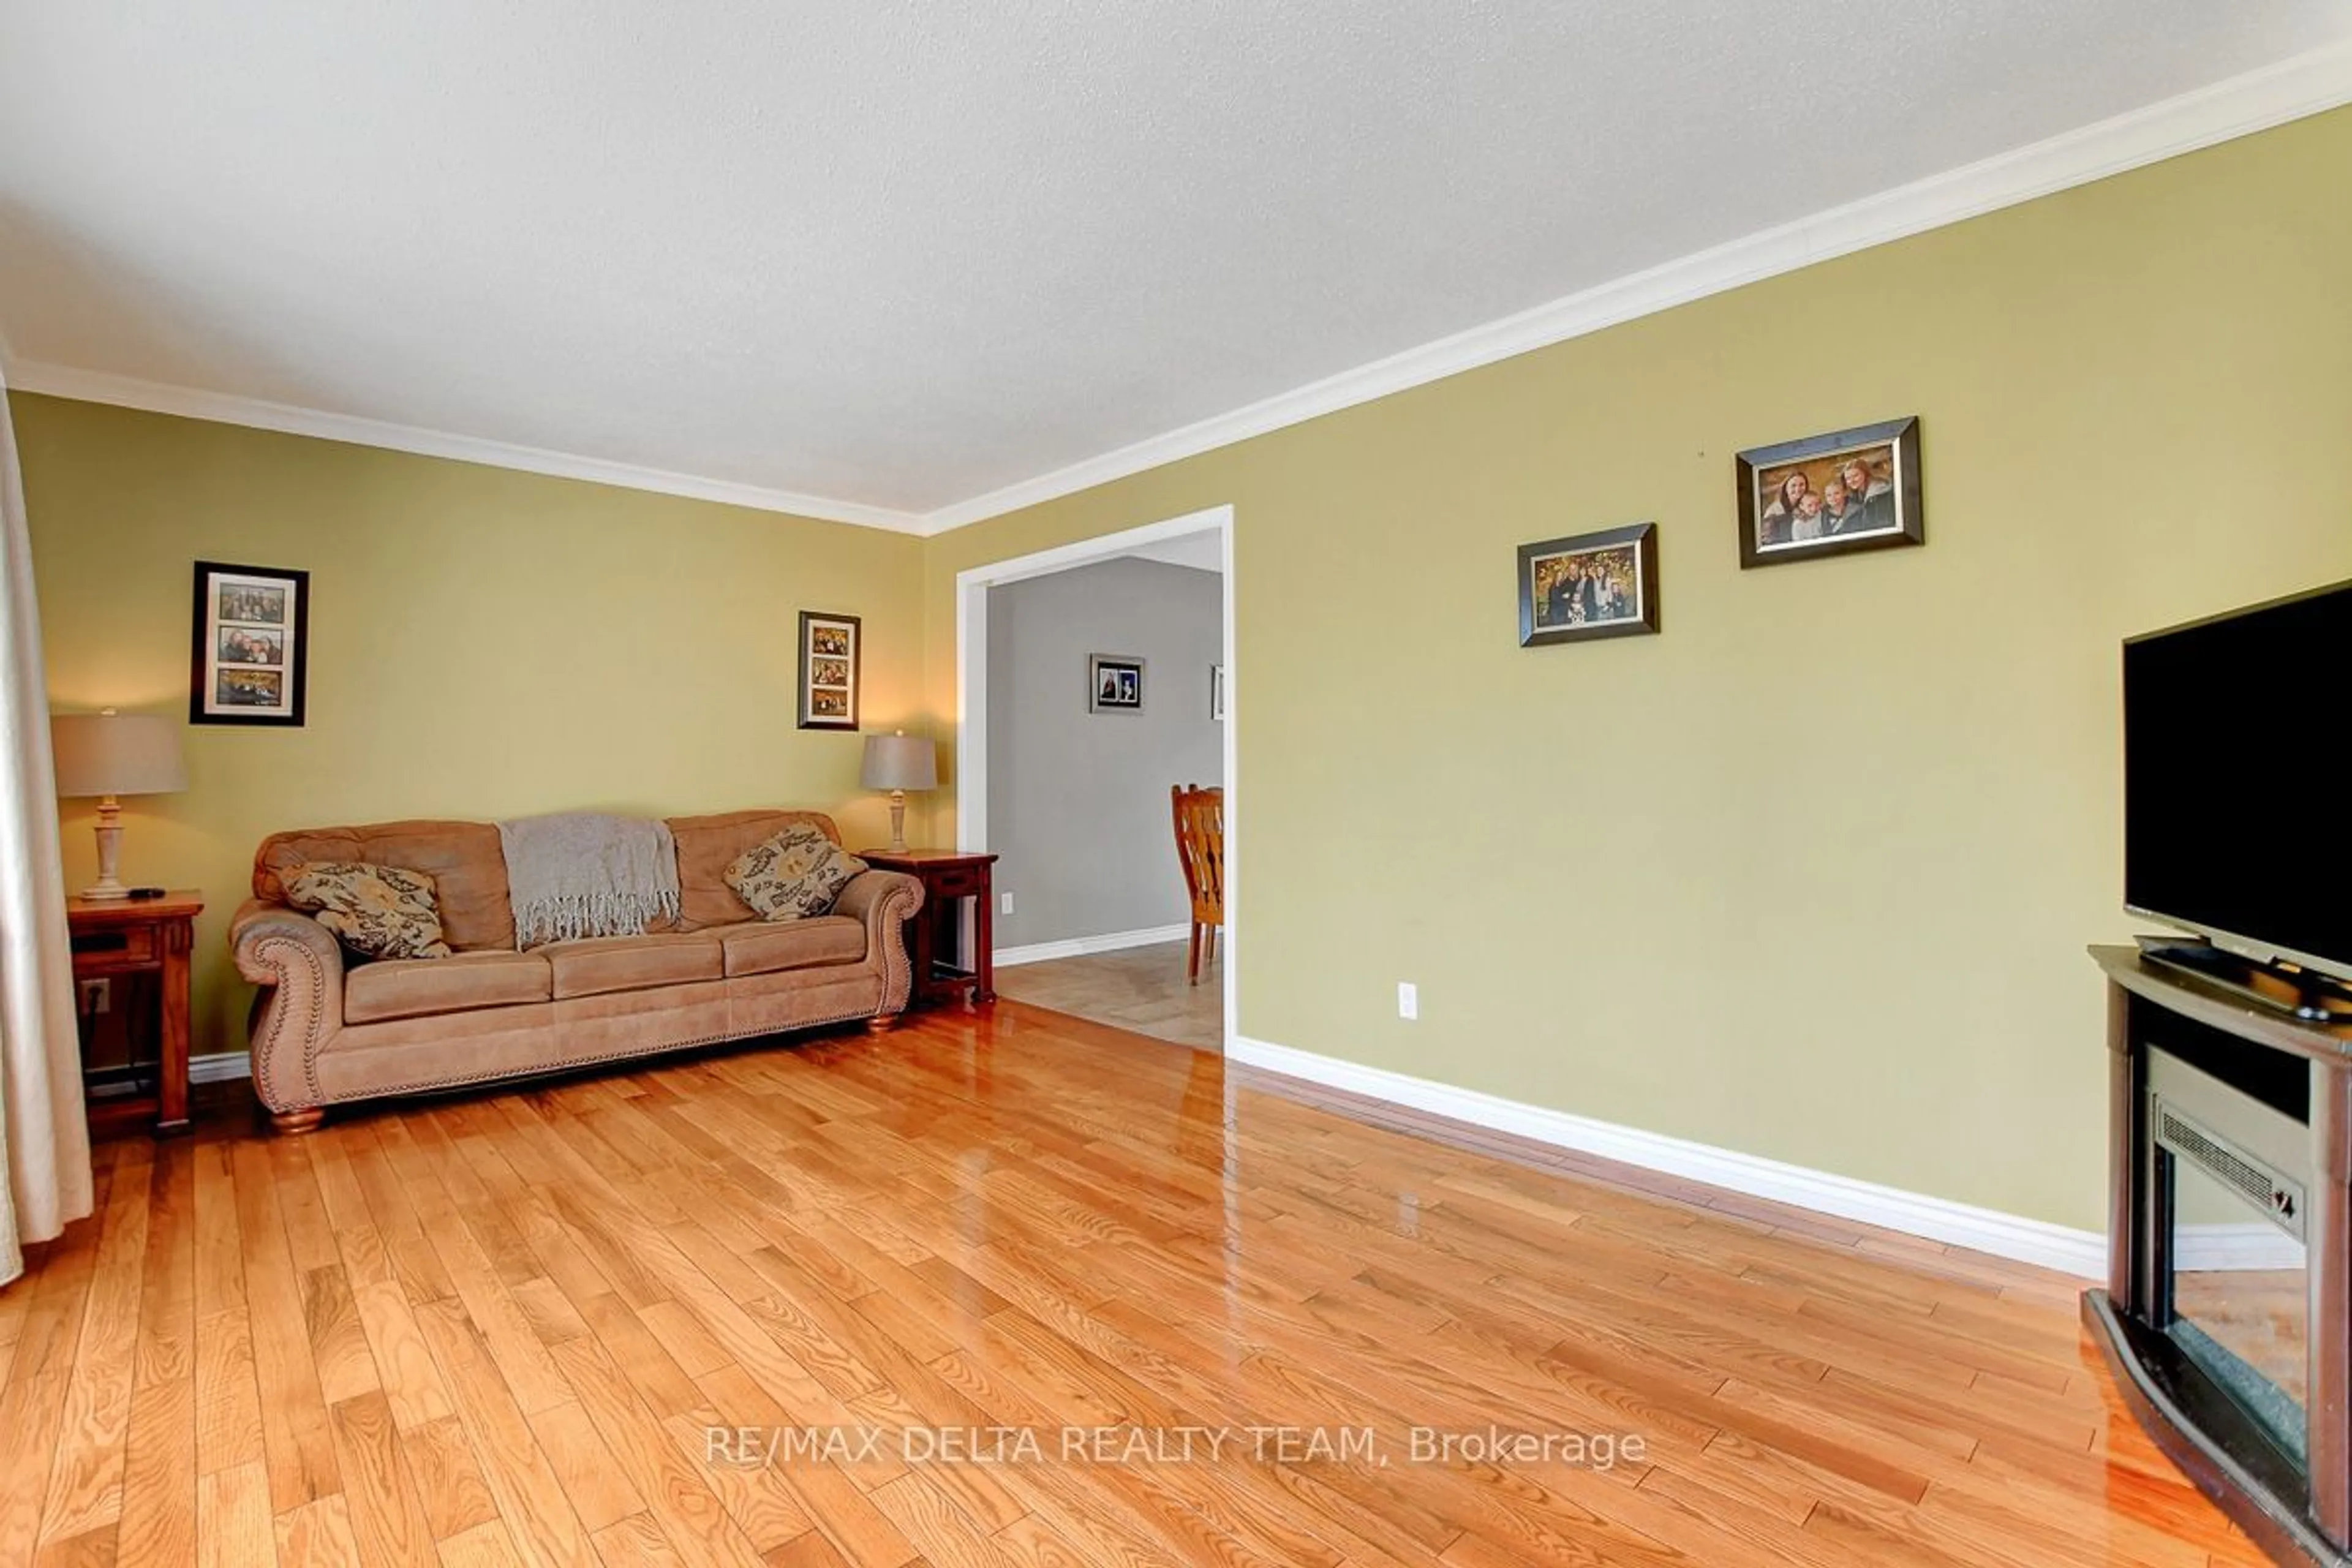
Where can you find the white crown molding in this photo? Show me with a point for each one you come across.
(2307, 84)
(1081, 946)
(191, 402)
(2082, 1253)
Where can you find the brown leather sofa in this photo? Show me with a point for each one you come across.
(329, 1032)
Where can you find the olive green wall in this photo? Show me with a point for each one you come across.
(1810, 875)
(484, 643)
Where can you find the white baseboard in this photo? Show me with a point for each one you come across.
(2078, 1252)
(220, 1069)
(1079, 946)
(2251, 1245)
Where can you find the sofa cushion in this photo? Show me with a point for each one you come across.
(798, 873)
(464, 860)
(594, 965)
(765, 947)
(412, 987)
(377, 912)
(707, 845)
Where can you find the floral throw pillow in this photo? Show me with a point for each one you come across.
(796, 874)
(378, 912)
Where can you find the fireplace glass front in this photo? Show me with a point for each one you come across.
(2231, 1178)
(2241, 1299)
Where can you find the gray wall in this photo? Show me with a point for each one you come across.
(1077, 802)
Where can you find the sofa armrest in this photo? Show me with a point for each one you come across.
(885, 901)
(299, 966)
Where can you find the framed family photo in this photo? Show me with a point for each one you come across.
(1590, 586)
(1832, 495)
(250, 661)
(830, 649)
(1114, 683)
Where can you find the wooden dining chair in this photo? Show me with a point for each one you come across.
(1201, 849)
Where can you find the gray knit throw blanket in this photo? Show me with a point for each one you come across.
(578, 874)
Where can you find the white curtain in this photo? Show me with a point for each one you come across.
(44, 1141)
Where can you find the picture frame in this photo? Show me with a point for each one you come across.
(249, 661)
(1114, 683)
(1217, 693)
(1588, 586)
(1796, 497)
(831, 660)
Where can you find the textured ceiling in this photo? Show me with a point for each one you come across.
(900, 253)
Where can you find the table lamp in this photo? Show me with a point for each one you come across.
(899, 763)
(108, 754)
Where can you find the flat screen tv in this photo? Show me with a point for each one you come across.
(2238, 778)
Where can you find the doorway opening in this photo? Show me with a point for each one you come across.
(1092, 680)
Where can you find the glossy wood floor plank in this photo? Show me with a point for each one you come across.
(159, 1481)
(504, 1329)
(55, 1286)
(85, 1492)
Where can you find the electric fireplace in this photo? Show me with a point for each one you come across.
(2228, 1310)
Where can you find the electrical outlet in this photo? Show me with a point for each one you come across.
(96, 996)
(1408, 999)
(1005, 906)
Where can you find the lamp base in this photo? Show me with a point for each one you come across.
(109, 853)
(898, 821)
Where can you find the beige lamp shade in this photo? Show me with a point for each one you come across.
(899, 762)
(117, 753)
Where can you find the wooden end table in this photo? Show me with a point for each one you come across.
(114, 937)
(948, 876)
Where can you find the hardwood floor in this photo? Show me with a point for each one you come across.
(1138, 988)
(497, 1330)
